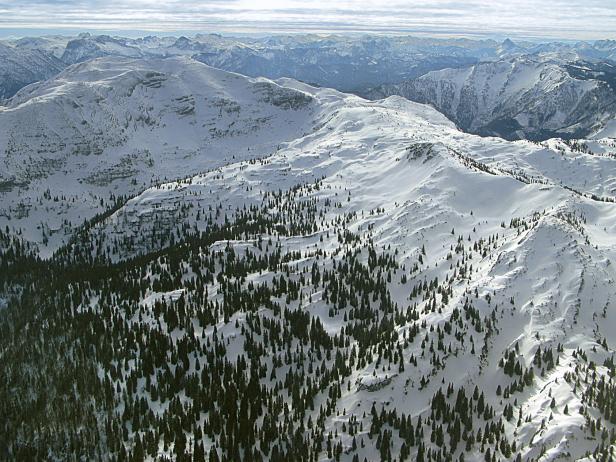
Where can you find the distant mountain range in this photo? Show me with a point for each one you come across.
(333, 61)
(535, 90)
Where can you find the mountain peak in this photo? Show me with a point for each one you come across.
(508, 43)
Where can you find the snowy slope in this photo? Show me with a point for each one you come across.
(532, 97)
(20, 67)
(373, 269)
(113, 126)
(545, 279)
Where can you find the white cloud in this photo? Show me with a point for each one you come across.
(575, 19)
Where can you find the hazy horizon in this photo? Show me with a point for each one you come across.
(517, 19)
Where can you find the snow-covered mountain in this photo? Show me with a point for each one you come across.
(363, 281)
(51, 44)
(532, 97)
(20, 67)
(115, 125)
(87, 47)
(344, 62)
(540, 81)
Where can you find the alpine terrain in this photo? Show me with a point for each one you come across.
(525, 97)
(199, 265)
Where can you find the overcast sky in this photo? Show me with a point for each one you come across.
(565, 19)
